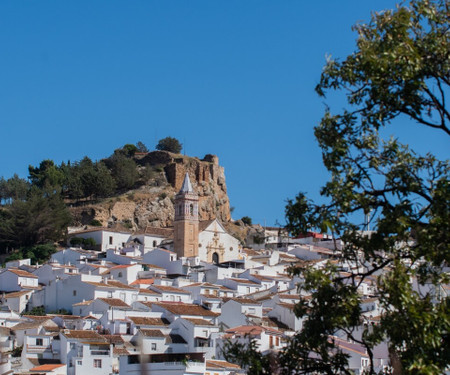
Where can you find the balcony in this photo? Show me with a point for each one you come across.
(99, 352)
(37, 348)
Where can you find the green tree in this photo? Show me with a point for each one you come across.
(39, 253)
(246, 354)
(36, 311)
(14, 188)
(41, 218)
(106, 185)
(247, 220)
(129, 149)
(87, 179)
(124, 170)
(169, 144)
(141, 147)
(400, 69)
(47, 175)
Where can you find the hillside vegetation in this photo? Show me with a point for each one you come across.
(132, 187)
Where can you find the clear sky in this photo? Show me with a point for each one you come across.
(235, 78)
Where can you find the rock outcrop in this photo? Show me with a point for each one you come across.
(152, 203)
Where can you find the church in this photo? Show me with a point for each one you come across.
(207, 240)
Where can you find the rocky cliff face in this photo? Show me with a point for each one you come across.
(152, 203)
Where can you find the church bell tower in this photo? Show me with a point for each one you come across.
(186, 221)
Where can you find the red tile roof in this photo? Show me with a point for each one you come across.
(46, 368)
(115, 302)
(179, 308)
(22, 273)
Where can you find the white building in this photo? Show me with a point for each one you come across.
(14, 279)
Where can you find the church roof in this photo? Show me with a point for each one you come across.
(187, 186)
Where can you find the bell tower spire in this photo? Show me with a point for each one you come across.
(186, 220)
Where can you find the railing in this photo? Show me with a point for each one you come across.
(100, 352)
(37, 348)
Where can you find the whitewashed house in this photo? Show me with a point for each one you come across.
(126, 274)
(67, 292)
(197, 332)
(14, 280)
(86, 352)
(234, 311)
(73, 256)
(17, 301)
(171, 293)
(105, 238)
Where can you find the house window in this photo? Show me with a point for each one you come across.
(155, 243)
(109, 294)
(153, 346)
(97, 363)
(73, 345)
(79, 363)
(74, 292)
(27, 296)
(120, 274)
(251, 310)
(205, 333)
(191, 209)
(110, 240)
(39, 342)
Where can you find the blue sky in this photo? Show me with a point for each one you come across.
(233, 78)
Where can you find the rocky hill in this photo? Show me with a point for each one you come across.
(152, 203)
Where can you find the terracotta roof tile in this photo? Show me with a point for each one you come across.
(199, 322)
(179, 308)
(216, 364)
(244, 281)
(17, 294)
(169, 289)
(115, 302)
(145, 321)
(151, 333)
(122, 266)
(149, 291)
(120, 351)
(46, 368)
(83, 335)
(111, 284)
(242, 301)
(22, 273)
(143, 281)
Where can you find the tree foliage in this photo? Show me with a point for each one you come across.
(247, 220)
(141, 147)
(169, 144)
(124, 170)
(41, 218)
(246, 354)
(14, 188)
(400, 70)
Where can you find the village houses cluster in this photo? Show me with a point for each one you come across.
(162, 301)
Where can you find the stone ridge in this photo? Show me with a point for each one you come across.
(151, 205)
